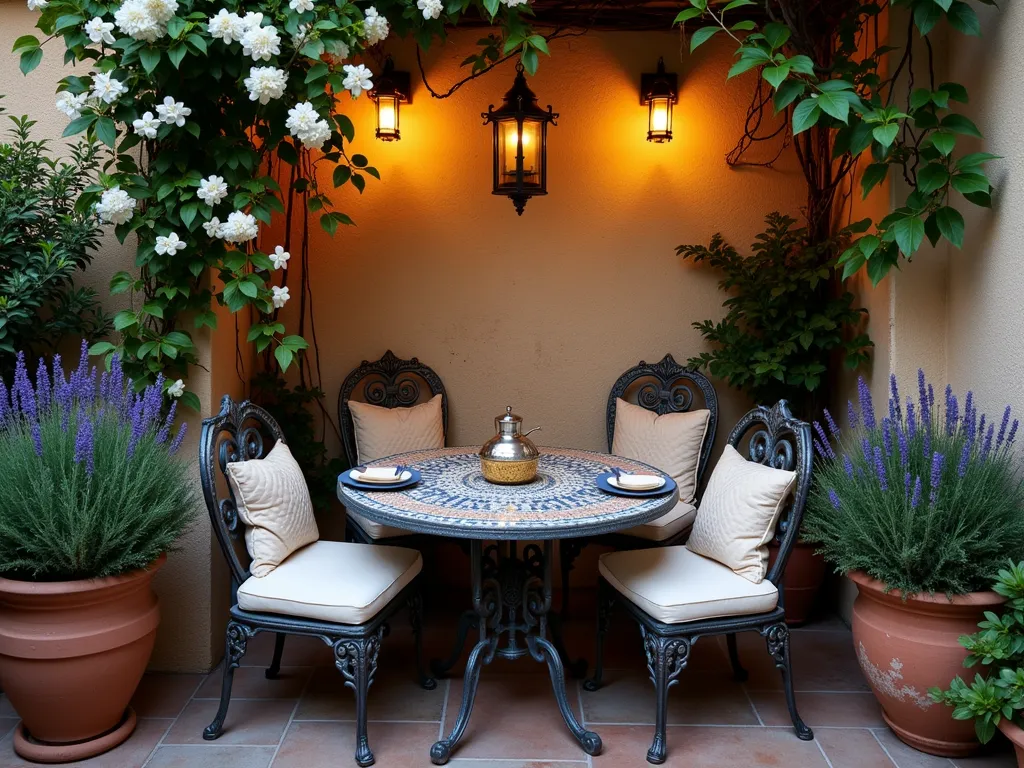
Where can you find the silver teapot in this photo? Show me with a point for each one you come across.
(510, 457)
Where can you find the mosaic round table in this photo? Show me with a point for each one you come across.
(511, 589)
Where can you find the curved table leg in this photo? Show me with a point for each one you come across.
(543, 650)
(441, 752)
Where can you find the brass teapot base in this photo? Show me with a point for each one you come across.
(509, 472)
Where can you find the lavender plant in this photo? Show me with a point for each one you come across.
(92, 483)
(928, 498)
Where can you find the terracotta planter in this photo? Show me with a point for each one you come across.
(805, 573)
(905, 648)
(71, 655)
(1016, 735)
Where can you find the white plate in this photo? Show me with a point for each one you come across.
(655, 482)
(359, 478)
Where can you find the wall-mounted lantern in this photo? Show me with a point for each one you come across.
(659, 91)
(392, 90)
(520, 143)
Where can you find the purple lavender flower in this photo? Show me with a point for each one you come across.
(894, 398)
(42, 386)
(116, 384)
(981, 426)
(84, 448)
(165, 430)
(986, 447)
(37, 438)
(922, 396)
(833, 428)
(833, 497)
(138, 425)
(824, 447)
(1013, 433)
(901, 442)
(927, 432)
(887, 435)
(847, 466)
(5, 404)
(936, 477)
(965, 457)
(1002, 428)
(911, 419)
(883, 481)
(176, 444)
(952, 414)
(851, 414)
(23, 388)
(915, 498)
(931, 397)
(867, 408)
(906, 485)
(970, 417)
(865, 448)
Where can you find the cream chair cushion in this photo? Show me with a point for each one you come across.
(274, 504)
(384, 432)
(670, 442)
(333, 581)
(738, 514)
(674, 585)
(668, 525)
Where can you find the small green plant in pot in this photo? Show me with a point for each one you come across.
(94, 496)
(996, 698)
(918, 508)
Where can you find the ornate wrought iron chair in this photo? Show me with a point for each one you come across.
(776, 439)
(391, 383)
(663, 387)
(242, 432)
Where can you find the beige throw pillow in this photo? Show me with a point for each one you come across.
(274, 504)
(384, 432)
(671, 442)
(738, 514)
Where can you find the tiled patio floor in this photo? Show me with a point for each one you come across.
(304, 719)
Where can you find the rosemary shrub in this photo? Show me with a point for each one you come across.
(926, 499)
(92, 486)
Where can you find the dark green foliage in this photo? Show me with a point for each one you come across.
(43, 244)
(784, 321)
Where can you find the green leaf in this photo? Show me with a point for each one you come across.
(190, 400)
(248, 289)
(701, 36)
(125, 319)
(101, 348)
(738, 4)
(176, 53)
(106, 131)
(965, 183)
(951, 225)
(776, 34)
(874, 175)
(909, 232)
(539, 43)
(188, 213)
(960, 124)
(284, 357)
(776, 75)
(805, 115)
(341, 175)
(358, 182)
(150, 58)
(175, 26)
(30, 60)
(963, 18)
(745, 64)
(685, 15)
(975, 159)
(317, 71)
(943, 141)
(743, 26)
(919, 98)
(834, 104)
(802, 64)
(491, 6)
(956, 91)
(25, 41)
(79, 124)
(886, 134)
(932, 177)
(787, 93)
(153, 308)
(926, 16)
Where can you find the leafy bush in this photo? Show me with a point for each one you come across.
(44, 243)
(91, 483)
(1000, 647)
(925, 500)
(784, 321)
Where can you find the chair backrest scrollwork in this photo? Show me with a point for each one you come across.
(391, 383)
(775, 438)
(240, 432)
(666, 387)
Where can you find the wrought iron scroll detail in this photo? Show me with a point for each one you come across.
(669, 654)
(777, 637)
(354, 657)
(238, 636)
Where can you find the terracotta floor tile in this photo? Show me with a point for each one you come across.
(905, 756)
(299, 651)
(852, 748)
(998, 753)
(485, 763)
(515, 716)
(164, 695)
(628, 697)
(130, 754)
(708, 747)
(394, 695)
(251, 722)
(252, 683)
(206, 756)
(822, 661)
(848, 708)
(330, 745)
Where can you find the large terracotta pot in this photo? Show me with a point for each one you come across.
(1016, 735)
(907, 647)
(71, 655)
(805, 572)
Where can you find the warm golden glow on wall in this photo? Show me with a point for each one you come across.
(392, 90)
(659, 92)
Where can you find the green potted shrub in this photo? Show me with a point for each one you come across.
(918, 508)
(995, 699)
(93, 497)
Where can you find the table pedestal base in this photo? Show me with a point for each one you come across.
(511, 600)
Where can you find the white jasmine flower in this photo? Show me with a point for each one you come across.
(279, 257)
(375, 26)
(301, 5)
(70, 104)
(169, 245)
(99, 30)
(357, 79)
(431, 8)
(280, 296)
(161, 10)
(266, 83)
(115, 206)
(134, 19)
(261, 43)
(212, 190)
(299, 38)
(37, 5)
(306, 125)
(239, 228)
(106, 88)
(252, 21)
(213, 227)
(177, 389)
(514, 3)
(173, 112)
(319, 136)
(146, 126)
(225, 26)
(338, 50)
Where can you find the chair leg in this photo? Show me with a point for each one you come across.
(777, 637)
(739, 674)
(275, 663)
(605, 605)
(356, 659)
(236, 638)
(666, 658)
(416, 620)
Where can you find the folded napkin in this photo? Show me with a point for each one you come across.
(379, 474)
(639, 481)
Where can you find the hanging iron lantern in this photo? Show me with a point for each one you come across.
(391, 91)
(658, 92)
(520, 143)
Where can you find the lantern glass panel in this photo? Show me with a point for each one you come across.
(508, 150)
(659, 126)
(387, 116)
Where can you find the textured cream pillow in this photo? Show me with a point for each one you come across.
(274, 504)
(384, 432)
(738, 514)
(671, 442)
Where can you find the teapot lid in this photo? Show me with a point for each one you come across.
(509, 417)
